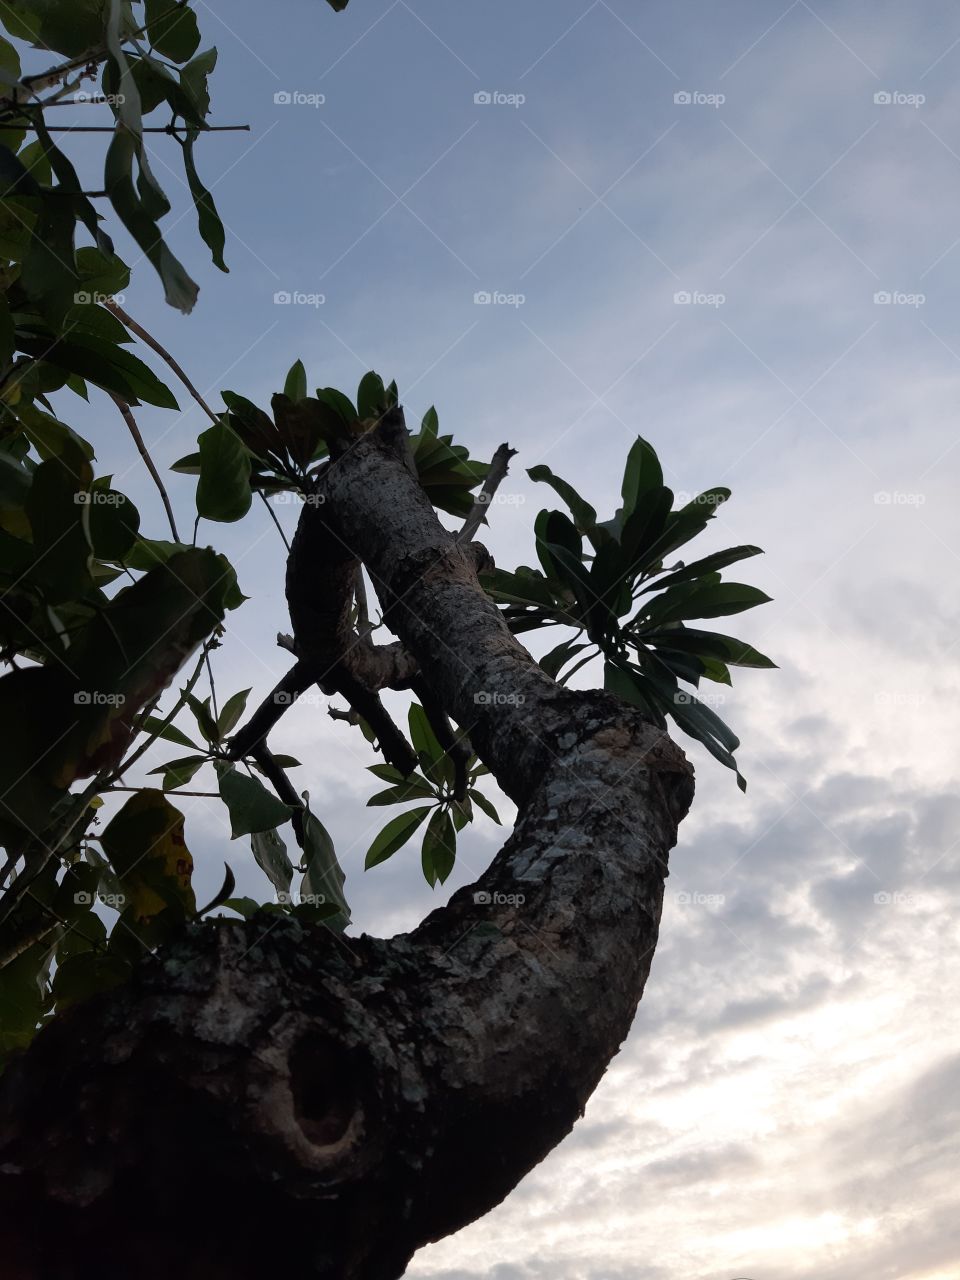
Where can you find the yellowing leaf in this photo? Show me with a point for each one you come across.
(146, 847)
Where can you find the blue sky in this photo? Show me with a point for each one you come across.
(786, 1104)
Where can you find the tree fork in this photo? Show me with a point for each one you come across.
(265, 1094)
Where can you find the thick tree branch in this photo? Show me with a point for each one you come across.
(350, 1100)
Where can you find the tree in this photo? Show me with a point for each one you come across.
(222, 1093)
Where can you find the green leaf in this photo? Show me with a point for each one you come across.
(57, 507)
(114, 522)
(430, 424)
(177, 773)
(482, 803)
(304, 426)
(172, 30)
(255, 428)
(439, 851)
(703, 724)
(553, 662)
(193, 82)
(627, 684)
(414, 788)
(644, 529)
(101, 362)
(224, 894)
(642, 477)
(583, 514)
(386, 772)
(205, 721)
(324, 877)
(180, 291)
(371, 396)
(208, 220)
(223, 491)
(251, 806)
(394, 835)
(710, 601)
(232, 711)
(709, 564)
(271, 856)
(707, 644)
(337, 401)
(188, 465)
(295, 386)
(245, 907)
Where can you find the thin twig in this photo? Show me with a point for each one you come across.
(164, 128)
(145, 455)
(286, 791)
(497, 472)
(124, 765)
(125, 318)
(273, 517)
(213, 687)
(210, 795)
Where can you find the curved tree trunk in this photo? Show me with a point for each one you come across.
(269, 1098)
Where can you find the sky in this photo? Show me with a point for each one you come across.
(732, 229)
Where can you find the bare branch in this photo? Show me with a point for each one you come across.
(125, 318)
(498, 470)
(145, 455)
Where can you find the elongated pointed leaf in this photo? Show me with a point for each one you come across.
(231, 711)
(439, 849)
(295, 386)
(709, 564)
(642, 476)
(394, 836)
(208, 220)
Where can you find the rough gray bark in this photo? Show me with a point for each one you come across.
(265, 1098)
